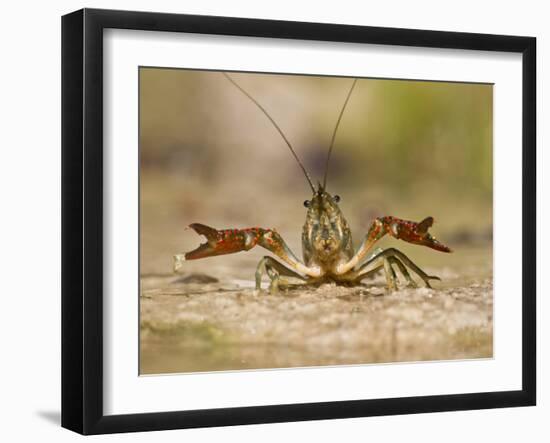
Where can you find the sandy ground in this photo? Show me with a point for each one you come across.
(208, 322)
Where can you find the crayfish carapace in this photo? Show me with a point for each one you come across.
(327, 246)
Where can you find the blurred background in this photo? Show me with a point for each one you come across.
(404, 148)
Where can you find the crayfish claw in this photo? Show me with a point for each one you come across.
(412, 232)
(204, 250)
(224, 241)
(424, 225)
(211, 234)
(433, 243)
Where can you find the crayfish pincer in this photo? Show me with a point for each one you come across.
(327, 246)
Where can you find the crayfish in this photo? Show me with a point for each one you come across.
(328, 251)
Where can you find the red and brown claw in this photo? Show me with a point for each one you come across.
(229, 241)
(412, 232)
(221, 242)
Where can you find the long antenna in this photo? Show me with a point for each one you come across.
(334, 133)
(276, 127)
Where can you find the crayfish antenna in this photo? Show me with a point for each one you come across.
(335, 131)
(275, 125)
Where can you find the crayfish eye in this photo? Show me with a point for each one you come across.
(336, 198)
(307, 203)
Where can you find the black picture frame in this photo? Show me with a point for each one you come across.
(82, 220)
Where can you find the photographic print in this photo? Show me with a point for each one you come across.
(292, 221)
(300, 221)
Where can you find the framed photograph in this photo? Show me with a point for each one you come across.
(269, 221)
